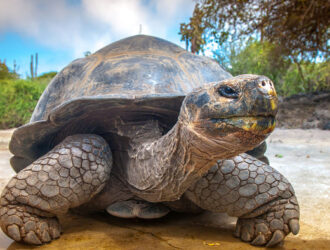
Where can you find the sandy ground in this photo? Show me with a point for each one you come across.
(303, 156)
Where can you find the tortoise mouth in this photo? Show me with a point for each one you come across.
(261, 124)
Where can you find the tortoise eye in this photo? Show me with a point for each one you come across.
(228, 92)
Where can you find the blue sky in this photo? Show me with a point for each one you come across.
(62, 30)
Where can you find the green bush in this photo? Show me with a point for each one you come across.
(261, 59)
(316, 77)
(5, 73)
(264, 59)
(46, 77)
(17, 101)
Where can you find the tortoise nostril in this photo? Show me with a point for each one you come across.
(266, 87)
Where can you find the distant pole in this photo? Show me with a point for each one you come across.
(36, 66)
(15, 66)
(140, 29)
(31, 67)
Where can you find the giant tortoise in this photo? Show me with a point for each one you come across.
(142, 127)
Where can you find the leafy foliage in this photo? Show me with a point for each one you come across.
(17, 101)
(5, 73)
(193, 31)
(18, 97)
(284, 40)
(317, 78)
(259, 58)
(263, 59)
(46, 77)
(298, 27)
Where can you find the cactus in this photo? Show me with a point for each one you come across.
(31, 67)
(36, 66)
(14, 70)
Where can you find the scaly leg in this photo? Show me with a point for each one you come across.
(66, 177)
(261, 198)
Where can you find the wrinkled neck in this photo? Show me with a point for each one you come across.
(162, 170)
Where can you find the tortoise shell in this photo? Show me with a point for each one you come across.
(137, 78)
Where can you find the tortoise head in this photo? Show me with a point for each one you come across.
(240, 110)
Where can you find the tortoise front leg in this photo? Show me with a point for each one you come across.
(261, 198)
(66, 177)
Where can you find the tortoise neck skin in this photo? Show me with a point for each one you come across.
(216, 122)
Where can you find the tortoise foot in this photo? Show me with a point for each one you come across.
(270, 228)
(138, 209)
(21, 225)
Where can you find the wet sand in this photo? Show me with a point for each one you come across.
(303, 156)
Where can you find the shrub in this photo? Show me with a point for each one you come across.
(263, 59)
(5, 73)
(46, 76)
(17, 101)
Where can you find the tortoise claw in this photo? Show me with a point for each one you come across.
(259, 240)
(294, 226)
(13, 232)
(246, 236)
(278, 236)
(32, 238)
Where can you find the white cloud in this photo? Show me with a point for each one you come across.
(123, 17)
(90, 25)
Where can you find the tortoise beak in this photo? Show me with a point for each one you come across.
(257, 110)
(261, 96)
(256, 125)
